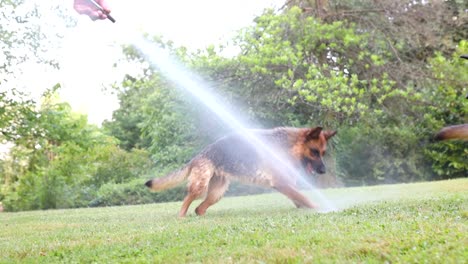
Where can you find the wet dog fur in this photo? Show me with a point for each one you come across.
(233, 158)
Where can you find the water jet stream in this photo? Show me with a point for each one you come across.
(181, 76)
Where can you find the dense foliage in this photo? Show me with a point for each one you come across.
(63, 161)
(355, 66)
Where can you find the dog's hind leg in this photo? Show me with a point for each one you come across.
(199, 179)
(299, 200)
(216, 189)
(185, 205)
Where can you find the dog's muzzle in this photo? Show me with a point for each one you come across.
(312, 166)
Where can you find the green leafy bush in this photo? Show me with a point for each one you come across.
(367, 156)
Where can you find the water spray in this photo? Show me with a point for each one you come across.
(179, 75)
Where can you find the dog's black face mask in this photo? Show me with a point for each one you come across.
(312, 166)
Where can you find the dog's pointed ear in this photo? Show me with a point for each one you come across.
(313, 133)
(329, 133)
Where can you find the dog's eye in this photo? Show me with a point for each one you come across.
(315, 152)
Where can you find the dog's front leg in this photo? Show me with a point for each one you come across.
(299, 200)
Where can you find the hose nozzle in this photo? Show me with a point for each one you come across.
(98, 6)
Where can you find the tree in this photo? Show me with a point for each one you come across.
(295, 68)
(64, 162)
(127, 120)
(27, 37)
(16, 115)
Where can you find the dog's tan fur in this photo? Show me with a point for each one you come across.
(232, 158)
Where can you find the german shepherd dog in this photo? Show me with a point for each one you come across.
(234, 158)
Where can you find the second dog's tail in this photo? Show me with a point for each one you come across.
(453, 132)
(169, 181)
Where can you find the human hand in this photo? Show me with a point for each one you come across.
(86, 7)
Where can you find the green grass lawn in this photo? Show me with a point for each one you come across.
(406, 223)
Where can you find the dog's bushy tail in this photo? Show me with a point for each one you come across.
(453, 132)
(169, 181)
